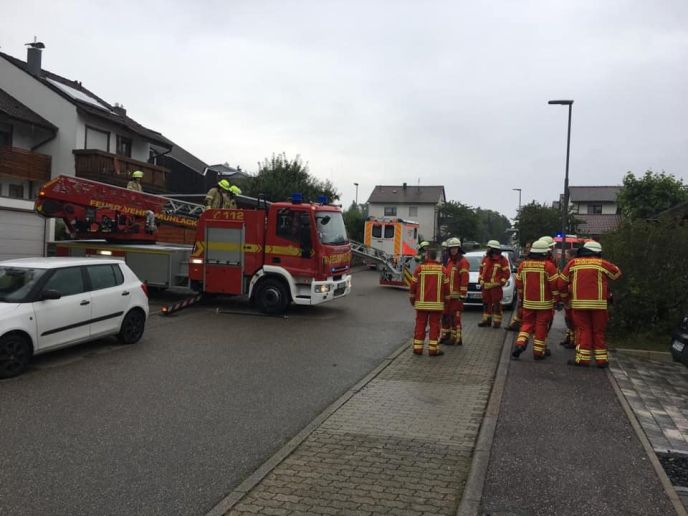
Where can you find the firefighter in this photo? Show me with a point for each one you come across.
(494, 273)
(537, 282)
(517, 316)
(429, 291)
(222, 196)
(569, 341)
(585, 281)
(421, 251)
(456, 271)
(135, 181)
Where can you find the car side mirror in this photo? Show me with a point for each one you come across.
(50, 294)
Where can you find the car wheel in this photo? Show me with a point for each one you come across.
(15, 354)
(132, 327)
(272, 296)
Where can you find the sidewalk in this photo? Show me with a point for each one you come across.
(564, 445)
(401, 445)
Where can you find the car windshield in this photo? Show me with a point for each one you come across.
(17, 282)
(330, 226)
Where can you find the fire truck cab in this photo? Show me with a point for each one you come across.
(287, 252)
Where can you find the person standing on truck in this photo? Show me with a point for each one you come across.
(456, 271)
(537, 281)
(429, 291)
(135, 181)
(585, 280)
(222, 196)
(494, 273)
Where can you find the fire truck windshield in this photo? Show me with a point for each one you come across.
(330, 227)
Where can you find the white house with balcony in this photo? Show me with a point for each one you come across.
(419, 204)
(596, 208)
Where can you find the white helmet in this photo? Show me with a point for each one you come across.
(453, 242)
(593, 246)
(549, 241)
(494, 244)
(539, 247)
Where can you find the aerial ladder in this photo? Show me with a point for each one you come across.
(394, 271)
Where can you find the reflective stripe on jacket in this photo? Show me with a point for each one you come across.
(429, 287)
(457, 274)
(585, 281)
(537, 283)
(494, 272)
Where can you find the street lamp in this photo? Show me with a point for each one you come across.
(519, 198)
(565, 207)
(356, 185)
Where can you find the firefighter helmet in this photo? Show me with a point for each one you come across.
(593, 246)
(224, 184)
(494, 244)
(137, 174)
(444, 244)
(549, 241)
(453, 242)
(423, 245)
(235, 190)
(539, 247)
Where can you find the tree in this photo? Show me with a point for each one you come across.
(354, 220)
(279, 177)
(459, 220)
(491, 225)
(643, 197)
(535, 220)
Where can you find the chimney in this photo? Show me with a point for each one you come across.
(404, 186)
(33, 57)
(119, 109)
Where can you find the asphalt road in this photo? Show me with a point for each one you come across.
(173, 423)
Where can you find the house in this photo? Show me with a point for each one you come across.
(415, 203)
(51, 125)
(596, 208)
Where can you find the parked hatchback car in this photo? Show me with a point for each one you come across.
(51, 303)
(475, 295)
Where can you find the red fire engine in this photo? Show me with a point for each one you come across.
(275, 253)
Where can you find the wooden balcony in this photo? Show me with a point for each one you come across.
(114, 169)
(23, 163)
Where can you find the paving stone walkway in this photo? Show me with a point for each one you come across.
(401, 445)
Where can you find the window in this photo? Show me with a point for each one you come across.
(377, 231)
(97, 139)
(67, 282)
(389, 231)
(289, 224)
(104, 276)
(390, 211)
(594, 209)
(16, 191)
(123, 146)
(413, 211)
(6, 135)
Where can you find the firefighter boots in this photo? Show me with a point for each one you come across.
(486, 322)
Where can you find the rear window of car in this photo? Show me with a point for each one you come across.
(67, 281)
(104, 276)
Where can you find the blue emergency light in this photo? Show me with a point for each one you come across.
(322, 199)
(296, 198)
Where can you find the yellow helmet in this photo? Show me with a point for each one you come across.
(137, 174)
(224, 184)
(494, 244)
(423, 245)
(235, 190)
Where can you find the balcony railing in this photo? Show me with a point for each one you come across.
(24, 164)
(114, 169)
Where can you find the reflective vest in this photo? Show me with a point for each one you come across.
(134, 185)
(429, 287)
(494, 272)
(585, 281)
(457, 273)
(537, 283)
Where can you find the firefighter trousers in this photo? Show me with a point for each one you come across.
(451, 320)
(425, 318)
(492, 305)
(535, 323)
(590, 326)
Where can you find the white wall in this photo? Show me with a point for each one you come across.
(425, 218)
(50, 106)
(608, 208)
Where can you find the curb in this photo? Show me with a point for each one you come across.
(663, 478)
(229, 501)
(473, 490)
(661, 356)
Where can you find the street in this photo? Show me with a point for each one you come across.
(172, 424)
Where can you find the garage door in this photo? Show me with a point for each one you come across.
(21, 234)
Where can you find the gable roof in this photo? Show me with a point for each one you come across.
(593, 193)
(88, 102)
(18, 111)
(597, 224)
(405, 194)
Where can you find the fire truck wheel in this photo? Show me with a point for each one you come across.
(132, 327)
(272, 296)
(15, 353)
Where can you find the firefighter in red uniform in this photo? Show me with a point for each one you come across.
(517, 316)
(569, 341)
(456, 271)
(428, 293)
(494, 273)
(585, 281)
(537, 283)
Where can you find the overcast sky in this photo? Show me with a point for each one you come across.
(445, 92)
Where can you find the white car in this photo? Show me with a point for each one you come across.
(475, 295)
(51, 303)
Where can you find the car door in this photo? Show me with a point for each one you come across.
(110, 298)
(67, 319)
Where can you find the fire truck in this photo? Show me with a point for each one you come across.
(275, 253)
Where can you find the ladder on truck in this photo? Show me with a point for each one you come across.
(394, 271)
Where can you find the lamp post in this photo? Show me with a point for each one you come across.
(519, 198)
(356, 185)
(565, 206)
